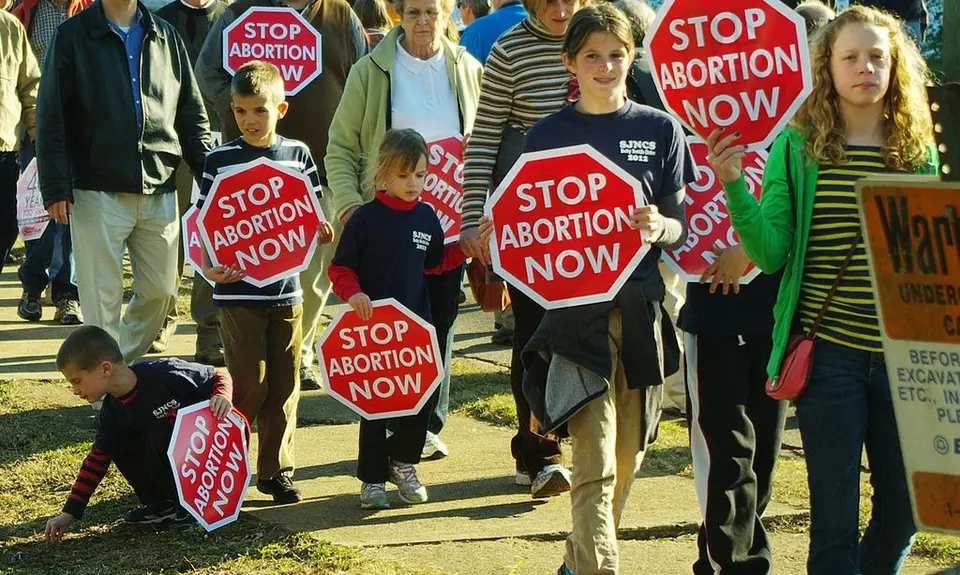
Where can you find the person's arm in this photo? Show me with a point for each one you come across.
(56, 89)
(344, 159)
(453, 257)
(359, 38)
(480, 157)
(679, 170)
(191, 123)
(343, 275)
(766, 228)
(213, 79)
(28, 81)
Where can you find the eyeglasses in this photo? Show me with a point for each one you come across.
(415, 14)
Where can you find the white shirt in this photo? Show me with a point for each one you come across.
(422, 96)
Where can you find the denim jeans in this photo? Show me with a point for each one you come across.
(848, 405)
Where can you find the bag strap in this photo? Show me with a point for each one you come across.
(836, 284)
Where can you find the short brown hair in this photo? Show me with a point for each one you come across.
(86, 347)
(596, 18)
(400, 150)
(258, 78)
(534, 7)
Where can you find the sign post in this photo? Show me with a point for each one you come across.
(562, 230)
(443, 186)
(912, 227)
(385, 367)
(708, 221)
(277, 35)
(210, 463)
(263, 219)
(742, 64)
(32, 217)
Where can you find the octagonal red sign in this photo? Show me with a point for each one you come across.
(263, 219)
(192, 244)
(278, 35)
(737, 64)
(210, 464)
(561, 226)
(708, 222)
(385, 367)
(443, 186)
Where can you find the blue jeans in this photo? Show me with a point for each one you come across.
(49, 258)
(848, 405)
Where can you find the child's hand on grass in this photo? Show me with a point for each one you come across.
(220, 406)
(327, 234)
(360, 303)
(223, 274)
(56, 527)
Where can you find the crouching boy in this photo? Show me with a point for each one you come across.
(135, 424)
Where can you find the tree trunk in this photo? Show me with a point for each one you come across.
(950, 55)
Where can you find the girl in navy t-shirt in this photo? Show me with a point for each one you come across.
(614, 425)
(385, 248)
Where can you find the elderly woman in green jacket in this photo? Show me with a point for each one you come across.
(415, 78)
(867, 114)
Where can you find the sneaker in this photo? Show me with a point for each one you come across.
(68, 312)
(552, 480)
(564, 570)
(502, 336)
(461, 298)
(30, 308)
(434, 447)
(522, 478)
(374, 496)
(212, 357)
(157, 347)
(281, 488)
(183, 521)
(151, 513)
(404, 476)
(309, 380)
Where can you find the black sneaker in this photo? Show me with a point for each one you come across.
(281, 488)
(183, 521)
(503, 336)
(151, 513)
(30, 308)
(309, 380)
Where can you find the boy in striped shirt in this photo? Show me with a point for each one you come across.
(262, 326)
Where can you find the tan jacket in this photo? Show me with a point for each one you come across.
(19, 80)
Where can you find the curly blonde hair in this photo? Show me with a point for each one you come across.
(908, 128)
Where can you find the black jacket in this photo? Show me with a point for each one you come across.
(87, 133)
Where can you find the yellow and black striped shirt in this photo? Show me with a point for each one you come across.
(851, 318)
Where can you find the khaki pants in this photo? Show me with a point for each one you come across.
(675, 386)
(103, 224)
(262, 349)
(202, 310)
(606, 437)
(316, 285)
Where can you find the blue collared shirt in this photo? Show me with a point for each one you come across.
(133, 44)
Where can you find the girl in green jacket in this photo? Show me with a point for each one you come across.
(867, 114)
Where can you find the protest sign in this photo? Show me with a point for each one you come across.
(708, 222)
(210, 464)
(32, 217)
(562, 228)
(443, 186)
(263, 219)
(912, 230)
(277, 35)
(385, 367)
(742, 64)
(192, 243)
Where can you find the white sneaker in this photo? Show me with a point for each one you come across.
(434, 447)
(552, 480)
(404, 476)
(374, 496)
(523, 479)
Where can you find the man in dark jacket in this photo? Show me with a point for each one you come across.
(118, 107)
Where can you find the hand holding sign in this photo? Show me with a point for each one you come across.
(725, 158)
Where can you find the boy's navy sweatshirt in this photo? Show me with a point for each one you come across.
(713, 314)
(289, 153)
(163, 386)
(386, 247)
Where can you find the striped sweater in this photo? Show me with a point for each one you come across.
(524, 80)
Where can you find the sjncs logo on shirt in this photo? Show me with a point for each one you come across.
(421, 240)
(638, 150)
